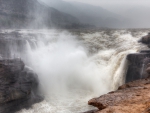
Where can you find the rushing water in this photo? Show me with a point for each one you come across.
(74, 67)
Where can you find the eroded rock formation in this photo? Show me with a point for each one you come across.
(133, 97)
(18, 86)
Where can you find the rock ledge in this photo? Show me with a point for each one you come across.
(133, 97)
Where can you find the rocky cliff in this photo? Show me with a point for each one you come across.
(33, 14)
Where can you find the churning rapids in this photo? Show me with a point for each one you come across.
(73, 67)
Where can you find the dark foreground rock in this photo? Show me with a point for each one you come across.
(18, 86)
(137, 66)
(133, 97)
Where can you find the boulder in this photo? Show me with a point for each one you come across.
(133, 97)
(18, 86)
(145, 39)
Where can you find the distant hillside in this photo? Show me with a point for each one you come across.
(90, 14)
(33, 14)
(138, 14)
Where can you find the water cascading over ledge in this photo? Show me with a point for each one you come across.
(133, 96)
(79, 66)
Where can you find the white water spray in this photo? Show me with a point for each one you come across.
(73, 69)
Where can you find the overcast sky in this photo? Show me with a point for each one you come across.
(114, 2)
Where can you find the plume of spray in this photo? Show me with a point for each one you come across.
(64, 65)
(69, 73)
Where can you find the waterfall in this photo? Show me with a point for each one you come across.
(75, 68)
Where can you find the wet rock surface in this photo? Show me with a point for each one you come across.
(137, 66)
(146, 39)
(18, 86)
(133, 97)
